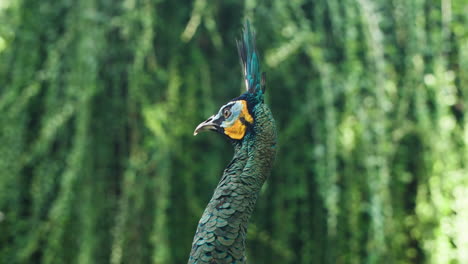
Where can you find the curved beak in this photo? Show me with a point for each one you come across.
(209, 124)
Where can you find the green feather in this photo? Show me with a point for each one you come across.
(221, 232)
(255, 83)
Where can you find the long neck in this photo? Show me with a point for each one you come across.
(221, 232)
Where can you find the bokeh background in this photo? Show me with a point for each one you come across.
(99, 100)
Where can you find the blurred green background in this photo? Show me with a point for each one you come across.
(99, 100)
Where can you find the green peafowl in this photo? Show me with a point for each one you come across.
(249, 124)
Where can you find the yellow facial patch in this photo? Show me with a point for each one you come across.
(238, 128)
(245, 113)
(236, 131)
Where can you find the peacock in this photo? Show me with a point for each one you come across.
(248, 123)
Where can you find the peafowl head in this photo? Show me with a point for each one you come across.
(236, 118)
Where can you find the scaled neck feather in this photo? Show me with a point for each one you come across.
(221, 232)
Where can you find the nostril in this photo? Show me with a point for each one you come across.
(209, 119)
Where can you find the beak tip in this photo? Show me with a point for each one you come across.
(205, 126)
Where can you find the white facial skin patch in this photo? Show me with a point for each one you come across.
(236, 109)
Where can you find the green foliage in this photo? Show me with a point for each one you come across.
(99, 99)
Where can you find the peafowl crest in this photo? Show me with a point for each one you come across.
(248, 123)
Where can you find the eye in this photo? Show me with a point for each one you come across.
(226, 113)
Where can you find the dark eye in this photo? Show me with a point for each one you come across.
(226, 113)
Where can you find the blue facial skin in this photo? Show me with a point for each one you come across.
(235, 109)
